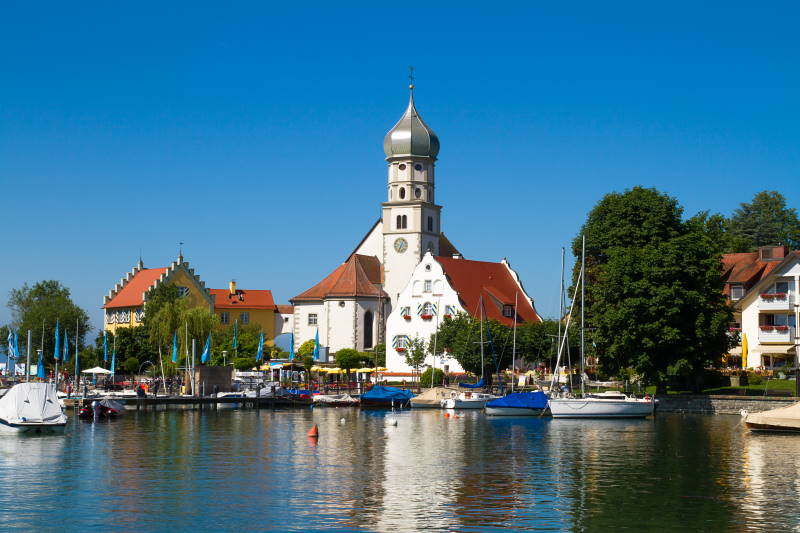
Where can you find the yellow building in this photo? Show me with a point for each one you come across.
(124, 304)
(245, 307)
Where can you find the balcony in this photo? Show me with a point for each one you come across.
(777, 301)
(776, 334)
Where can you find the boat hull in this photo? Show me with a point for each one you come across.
(769, 428)
(426, 404)
(514, 411)
(31, 428)
(457, 403)
(597, 408)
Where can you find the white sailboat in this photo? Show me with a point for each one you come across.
(602, 405)
(31, 408)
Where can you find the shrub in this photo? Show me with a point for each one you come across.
(438, 376)
(244, 363)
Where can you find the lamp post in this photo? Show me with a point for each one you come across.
(224, 357)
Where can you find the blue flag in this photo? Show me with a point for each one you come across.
(40, 367)
(206, 350)
(175, 347)
(65, 353)
(235, 342)
(57, 348)
(291, 347)
(260, 352)
(105, 347)
(316, 346)
(113, 360)
(16, 345)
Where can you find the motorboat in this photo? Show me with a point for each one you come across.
(608, 404)
(382, 396)
(467, 400)
(105, 408)
(783, 419)
(518, 404)
(335, 400)
(32, 408)
(431, 398)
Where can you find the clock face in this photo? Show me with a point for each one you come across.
(400, 245)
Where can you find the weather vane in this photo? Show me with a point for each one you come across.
(410, 77)
(180, 248)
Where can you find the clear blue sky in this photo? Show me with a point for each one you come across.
(253, 132)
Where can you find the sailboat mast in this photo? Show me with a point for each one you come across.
(556, 370)
(481, 311)
(435, 335)
(514, 343)
(583, 306)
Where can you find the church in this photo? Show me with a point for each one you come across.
(350, 307)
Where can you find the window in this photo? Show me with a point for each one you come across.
(430, 223)
(508, 311)
(428, 309)
(312, 319)
(400, 341)
(405, 222)
(244, 317)
(183, 292)
(417, 167)
(428, 286)
(368, 330)
(225, 318)
(138, 315)
(402, 193)
(402, 222)
(737, 292)
(402, 167)
(417, 192)
(123, 317)
(111, 317)
(450, 310)
(286, 320)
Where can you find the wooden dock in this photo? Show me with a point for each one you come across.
(201, 402)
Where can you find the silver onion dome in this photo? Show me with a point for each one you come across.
(411, 136)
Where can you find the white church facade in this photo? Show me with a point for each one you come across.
(349, 308)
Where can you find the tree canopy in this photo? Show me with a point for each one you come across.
(460, 337)
(653, 287)
(765, 221)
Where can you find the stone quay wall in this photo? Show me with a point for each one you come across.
(723, 405)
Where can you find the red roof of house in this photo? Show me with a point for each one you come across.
(249, 299)
(360, 275)
(132, 294)
(492, 281)
(748, 268)
(286, 309)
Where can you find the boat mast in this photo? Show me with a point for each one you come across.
(583, 306)
(514, 343)
(481, 311)
(557, 370)
(435, 334)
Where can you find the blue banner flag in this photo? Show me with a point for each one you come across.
(16, 345)
(316, 346)
(206, 350)
(235, 341)
(65, 353)
(105, 347)
(291, 348)
(40, 367)
(11, 353)
(260, 352)
(113, 360)
(57, 348)
(175, 347)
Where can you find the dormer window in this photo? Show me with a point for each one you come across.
(508, 311)
(737, 292)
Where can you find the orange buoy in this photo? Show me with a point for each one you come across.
(313, 432)
(447, 415)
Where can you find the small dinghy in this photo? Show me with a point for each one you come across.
(31, 408)
(783, 419)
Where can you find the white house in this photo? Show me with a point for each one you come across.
(444, 286)
(764, 288)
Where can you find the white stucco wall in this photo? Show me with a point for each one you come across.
(396, 325)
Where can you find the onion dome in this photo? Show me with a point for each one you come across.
(411, 136)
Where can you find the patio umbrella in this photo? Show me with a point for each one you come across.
(96, 370)
(744, 350)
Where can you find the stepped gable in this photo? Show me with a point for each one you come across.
(360, 276)
(251, 299)
(495, 282)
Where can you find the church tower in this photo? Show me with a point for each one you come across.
(410, 215)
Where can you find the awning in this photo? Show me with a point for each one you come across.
(96, 370)
(777, 350)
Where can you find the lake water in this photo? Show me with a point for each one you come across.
(251, 470)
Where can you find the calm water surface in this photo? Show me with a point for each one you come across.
(256, 470)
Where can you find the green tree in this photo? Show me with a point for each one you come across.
(653, 290)
(157, 298)
(308, 363)
(765, 221)
(131, 365)
(438, 377)
(244, 363)
(307, 348)
(348, 359)
(460, 337)
(378, 355)
(247, 337)
(38, 307)
(415, 354)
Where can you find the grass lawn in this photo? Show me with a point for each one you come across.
(776, 387)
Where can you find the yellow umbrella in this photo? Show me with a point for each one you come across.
(744, 350)
(316, 368)
(365, 370)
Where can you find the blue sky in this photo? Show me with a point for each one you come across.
(253, 132)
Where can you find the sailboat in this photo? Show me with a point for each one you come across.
(32, 407)
(603, 405)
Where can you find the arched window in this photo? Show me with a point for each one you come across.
(405, 222)
(368, 330)
(430, 223)
(402, 192)
(399, 224)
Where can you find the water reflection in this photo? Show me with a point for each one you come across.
(250, 469)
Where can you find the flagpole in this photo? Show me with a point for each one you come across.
(77, 337)
(194, 349)
(55, 355)
(28, 361)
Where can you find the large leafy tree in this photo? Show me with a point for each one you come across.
(247, 337)
(765, 221)
(460, 337)
(654, 293)
(38, 307)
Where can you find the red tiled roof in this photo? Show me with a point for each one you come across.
(746, 268)
(492, 281)
(286, 309)
(360, 275)
(132, 294)
(250, 299)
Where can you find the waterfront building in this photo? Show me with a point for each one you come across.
(349, 307)
(441, 287)
(763, 287)
(246, 307)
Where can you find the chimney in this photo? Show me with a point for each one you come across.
(232, 287)
(771, 253)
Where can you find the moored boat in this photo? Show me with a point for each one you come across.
(381, 396)
(602, 405)
(518, 404)
(467, 400)
(783, 419)
(335, 400)
(32, 408)
(431, 398)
